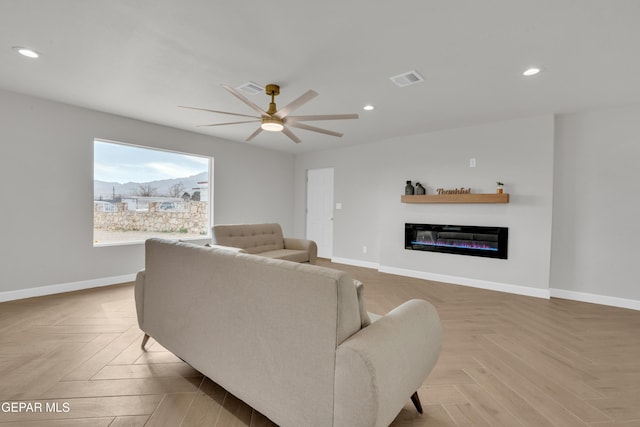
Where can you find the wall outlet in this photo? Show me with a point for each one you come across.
(364, 249)
(472, 162)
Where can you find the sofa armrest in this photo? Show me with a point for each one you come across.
(303, 245)
(382, 365)
(138, 293)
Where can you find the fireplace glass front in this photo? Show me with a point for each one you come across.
(479, 241)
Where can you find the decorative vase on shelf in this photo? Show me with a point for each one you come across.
(420, 190)
(500, 187)
(408, 189)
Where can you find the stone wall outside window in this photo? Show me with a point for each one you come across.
(193, 219)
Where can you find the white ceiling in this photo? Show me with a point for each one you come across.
(143, 58)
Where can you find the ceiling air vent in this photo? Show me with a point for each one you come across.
(250, 88)
(406, 79)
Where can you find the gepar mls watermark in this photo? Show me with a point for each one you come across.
(34, 407)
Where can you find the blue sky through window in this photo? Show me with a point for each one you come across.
(127, 163)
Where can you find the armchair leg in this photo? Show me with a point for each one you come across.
(416, 402)
(146, 338)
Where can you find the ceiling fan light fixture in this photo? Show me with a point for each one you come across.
(272, 124)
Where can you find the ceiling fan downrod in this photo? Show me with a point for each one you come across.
(273, 90)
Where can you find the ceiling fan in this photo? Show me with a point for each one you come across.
(274, 120)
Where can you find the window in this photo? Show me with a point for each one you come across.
(140, 193)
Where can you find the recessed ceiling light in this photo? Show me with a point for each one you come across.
(24, 51)
(531, 71)
(368, 107)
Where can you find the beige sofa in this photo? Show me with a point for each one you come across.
(286, 338)
(265, 240)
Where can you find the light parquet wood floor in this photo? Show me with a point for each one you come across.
(507, 361)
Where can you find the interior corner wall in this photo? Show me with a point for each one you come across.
(46, 167)
(369, 180)
(596, 204)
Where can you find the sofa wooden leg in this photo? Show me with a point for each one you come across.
(416, 402)
(146, 338)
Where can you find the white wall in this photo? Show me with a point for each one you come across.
(370, 179)
(596, 228)
(46, 161)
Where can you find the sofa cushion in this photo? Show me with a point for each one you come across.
(287, 254)
(254, 238)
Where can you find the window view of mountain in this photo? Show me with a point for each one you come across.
(176, 187)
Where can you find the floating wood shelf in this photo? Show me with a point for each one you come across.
(456, 198)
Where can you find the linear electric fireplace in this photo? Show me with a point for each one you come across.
(488, 242)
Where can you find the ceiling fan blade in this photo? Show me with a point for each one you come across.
(230, 123)
(296, 103)
(314, 129)
(219, 112)
(322, 117)
(291, 135)
(253, 135)
(244, 99)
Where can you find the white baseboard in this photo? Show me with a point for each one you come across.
(356, 262)
(465, 281)
(495, 286)
(596, 299)
(64, 287)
